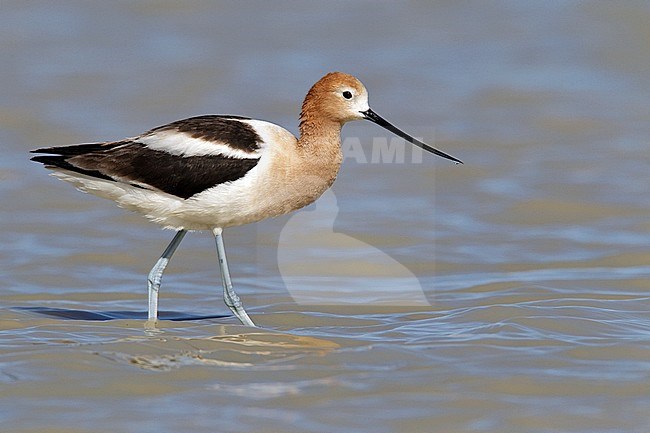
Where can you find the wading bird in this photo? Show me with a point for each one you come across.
(216, 171)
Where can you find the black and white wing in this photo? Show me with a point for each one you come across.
(182, 158)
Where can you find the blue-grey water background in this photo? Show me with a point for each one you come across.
(534, 255)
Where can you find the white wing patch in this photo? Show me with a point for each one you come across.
(183, 144)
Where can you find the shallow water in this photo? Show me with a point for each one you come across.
(510, 294)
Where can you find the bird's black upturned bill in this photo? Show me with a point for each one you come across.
(376, 118)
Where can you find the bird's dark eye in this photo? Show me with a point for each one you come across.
(347, 94)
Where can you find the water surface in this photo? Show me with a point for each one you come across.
(533, 257)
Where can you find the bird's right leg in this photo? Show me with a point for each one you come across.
(155, 275)
(229, 296)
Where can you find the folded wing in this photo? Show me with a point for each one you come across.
(183, 158)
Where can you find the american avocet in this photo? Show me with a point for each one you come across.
(216, 171)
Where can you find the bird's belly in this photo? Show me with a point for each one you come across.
(274, 187)
(250, 199)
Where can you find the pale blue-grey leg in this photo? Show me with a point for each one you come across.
(229, 296)
(155, 275)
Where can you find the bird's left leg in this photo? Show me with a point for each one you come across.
(155, 275)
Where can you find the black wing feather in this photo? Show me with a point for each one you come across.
(79, 149)
(182, 176)
(135, 163)
(219, 128)
(58, 161)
